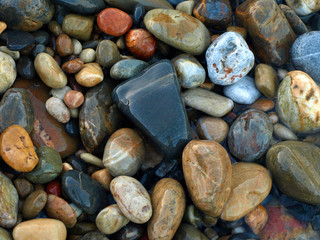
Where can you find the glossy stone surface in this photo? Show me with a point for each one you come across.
(33, 204)
(78, 26)
(127, 68)
(72, 66)
(57, 109)
(257, 219)
(8, 72)
(128, 5)
(90, 75)
(82, 7)
(250, 135)
(145, 100)
(5, 235)
(271, 33)
(64, 45)
(82, 190)
(17, 40)
(107, 53)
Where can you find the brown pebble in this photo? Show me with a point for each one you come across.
(211, 128)
(23, 186)
(64, 45)
(90, 75)
(103, 177)
(262, 104)
(55, 28)
(257, 219)
(34, 203)
(73, 66)
(73, 99)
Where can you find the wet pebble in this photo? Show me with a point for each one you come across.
(72, 66)
(257, 219)
(283, 133)
(266, 80)
(107, 53)
(90, 75)
(211, 128)
(57, 109)
(127, 68)
(64, 45)
(73, 99)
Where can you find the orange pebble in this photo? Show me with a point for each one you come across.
(73, 99)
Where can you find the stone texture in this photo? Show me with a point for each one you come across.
(78, 26)
(64, 45)
(8, 72)
(211, 128)
(266, 79)
(90, 75)
(283, 133)
(72, 66)
(296, 23)
(57, 109)
(257, 219)
(23, 186)
(128, 5)
(5, 235)
(188, 232)
(304, 7)
(103, 177)
(33, 204)
(73, 99)
(107, 53)
(127, 68)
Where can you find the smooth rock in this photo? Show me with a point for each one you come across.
(178, 30)
(243, 91)
(26, 68)
(145, 100)
(128, 5)
(14, 54)
(188, 232)
(88, 55)
(107, 53)
(73, 99)
(206, 101)
(55, 28)
(103, 177)
(78, 26)
(266, 80)
(283, 133)
(138, 14)
(8, 72)
(23, 186)
(296, 23)
(127, 68)
(257, 219)
(33, 204)
(250, 135)
(304, 7)
(201, 159)
(193, 216)
(3, 26)
(229, 59)
(211, 128)
(82, 7)
(262, 104)
(41, 37)
(5, 235)
(90, 75)
(57, 109)
(60, 92)
(64, 45)
(77, 46)
(186, 7)
(72, 66)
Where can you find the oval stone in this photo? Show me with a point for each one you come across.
(211, 128)
(33, 204)
(207, 164)
(107, 53)
(251, 184)
(64, 45)
(178, 29)
(57, 109)
(266, 79)
(168, 203)
(127, 68)
(78, 26)
(8, 72)
(90, 75)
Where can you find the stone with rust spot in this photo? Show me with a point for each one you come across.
(16, 149)
(207, 164)
(298, 102)
(168, 203)
(257, 219)
(251, 184)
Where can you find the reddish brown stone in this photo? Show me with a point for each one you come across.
(64, 45)
(262, 104)
(72, 66)
(257, 219)
(73, 99)
(141, 43)
(114, 22)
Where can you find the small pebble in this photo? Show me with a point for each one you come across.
(77, 46)
(14, 54)
(60, 92)
(91, 159)
(88, 55)
(57, 109)
(257, 219)
(211, 128)
(283, 133)
(3, 26)
(73, 99)
(103, 177)
(72, 66)
(34, 203)
(90, 75)
(266, 80)
(107, 53)
(64, 45)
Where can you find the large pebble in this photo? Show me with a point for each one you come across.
(304, 7)
(168, 203)
(107, 53)
(266, 80)
(298, 102)
(57, 109)
(251, 184)
(250, 135)
(132, 199)
(78, 26)
(127, 68)
(90, 75)
(207, 164)
(34, 203)
(8, 72)
(178, 29)
(228, 59)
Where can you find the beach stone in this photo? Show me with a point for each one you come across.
(251, 184)
(3, 26)
(188, 232)
(298, 104)
(90, 75)
(132, 199)
(83, 191)
(214, 14)
(88, 55)
(190, 72)
(127, 68)
(243, 91)
(128, 5)
(49, 71)
(213, 129)
(291, 161)
(93, 236)
(206, 101)
(82, 7)
(8, 72)
(283, 133)
(64, 45)
(155, 89)
(8, 203)
(107, 53)
(17, 149)
(73, 99)
(272, 39)
(257, 219)
(78, 26)
(168, 203)
(17, 40)
(41, 37)
(296, 23)
(77, 46)
(33, 204)
(186, 7)
(27, 15)
(262, 104)
(166, 25)
(305, 52)
(14, 54)
(266, 79)
(25, 68)
(111, 220)
(23, 186)
(229, 59)
(303, 7)
(103, 177)
(203, 158)
(5, 235)
(43, 228)
(48, 168)
(55, 28)
(72, 66)
(60, 92)
(57, 109)
(250, 135)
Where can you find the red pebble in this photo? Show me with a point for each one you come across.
(54, 188)
(141, 43)
(114, 22)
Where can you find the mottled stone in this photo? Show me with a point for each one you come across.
(304, 7)
(128, 5)
(73, 99)
(33, 204)
(72, 66)
(296, 23)
(107, 53)
(14, 54)
(266, 80)
(82, 7)
(8, 72)
(88, 55)
(78, 26)
(262, 104)
(211, 128)
(127, 68)
(57, 109)
(188, 232)
(257, 219)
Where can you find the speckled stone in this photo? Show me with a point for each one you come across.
(8, 72)
(127, 68)
(90, 75)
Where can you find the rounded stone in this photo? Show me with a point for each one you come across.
(257, 219)
(200, 159)
(124, 153)
(4, 234)
(283, 133)
(64, 45)
(33, 204)
(49, 71)
(132, 199)
(251, 184)
(228, 59)
(262, 104)
(90, 75)
(211, 128)
(266, 79)
(127, 68)
(250, 135)
(107, 53)
(73, 99)
(296, 23)
(72, 66)
(8, 72)
(240, 30)
(23, 186)
(77, 46)
(304, 7)
(57, 109)
(88, 55)
(78, 26)
(103, 177)
(186, 7)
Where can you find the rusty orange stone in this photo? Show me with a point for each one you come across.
(262, 104)
(16, 149)
(64, 45)
(73, 99)
(114, 22)
(73, 66)
(257, 219)
(141, 43)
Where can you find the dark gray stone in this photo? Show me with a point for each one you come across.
(81, 6)
(127, 68)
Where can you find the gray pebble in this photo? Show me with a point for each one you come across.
(127, 68)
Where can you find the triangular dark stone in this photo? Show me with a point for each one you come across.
(152, 101)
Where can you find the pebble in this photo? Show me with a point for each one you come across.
(91, 159)
(8, 203)
(14, 54)
(5, 235)
(190, 72)
(303, 7)
(57, 109)
(240, 30)
(127, 68)
(103, 177)
(228, 59)
(23, 186)
(251, 184)
(55, 28)
(107, 53)
(283, 133)
(41, 37)
(88, 55)
(90, 75)
(60, 92)
(39, 48)
(250, 135)
(206, 101)
(128, 5)
(168, 204)
(59, 209)
(132, 199)
(76, 209)
(33, 204)
(152, 158)
(72, 66)
(305, 52)
(49, 71)
(257, 219)
(64, 45)
(141, 43)
(42, 228)
(17, 40)
(114, 22)
(82, 7)
(266, 79)
(186, 7)
(25, 68)
(167, 24)
(262, 104)
(73, 99)
(111, 220)
(193, 216)
(295, 22)
(213, 129)
(8, 72)
(54, 188)
(93, 236)
(243, 91)
(124, 153)
(298, 104)
(3, 26)
(78, 26)
(188, 232)
(77, 46)
(17, 149)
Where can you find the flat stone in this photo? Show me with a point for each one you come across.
(82, 7)
(145, 100)
(127, 68)
(283, 133)
(78, 26)
(128, 5)
(8, 72)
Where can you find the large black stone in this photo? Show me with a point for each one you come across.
(17, 40)
(152, 101)
(81, 6)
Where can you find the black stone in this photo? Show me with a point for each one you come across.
(163, 168)
(40, 48)
(77, 164)
(16, 40)
(41, 37)
(152, 101)
(130, 232)
(83, 191)
(81, 6)
(72, 127)
(60, 12)
(147, 178)
(138, 14)
(26, 68)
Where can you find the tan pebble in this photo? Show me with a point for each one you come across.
(257, 219)
(8, 72)
(50, 51)
(273, 116)
(88, 55)
(90, 75)
(266, 80)
(121, 43)
(214, 37)
(3, 26)
(283, 133)
(91, 159)
(262, 104)
(103, 177)
(57, 109)
(14, 54)
(74, 112)
(73, 99)
(186, 7)
(211, 128)
(34, 203)
(282, 73)
(66, 167)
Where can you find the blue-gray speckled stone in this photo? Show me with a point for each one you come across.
(127, 68)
